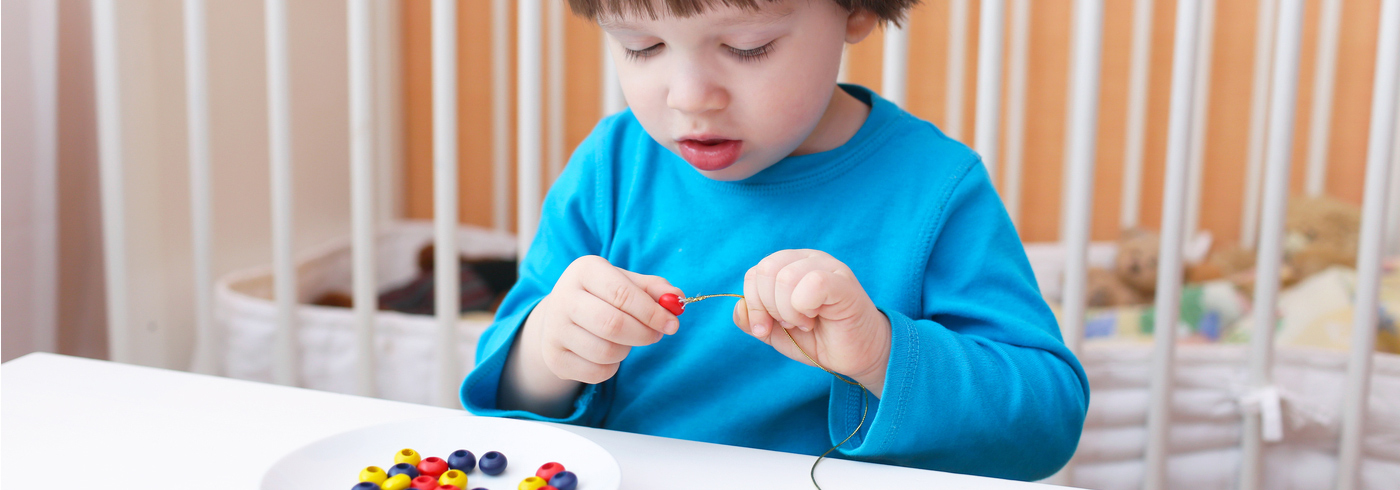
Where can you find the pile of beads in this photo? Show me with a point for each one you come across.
(413, 472)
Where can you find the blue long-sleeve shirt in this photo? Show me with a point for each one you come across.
(979, 380)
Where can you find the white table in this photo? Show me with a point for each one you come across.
(66, 419)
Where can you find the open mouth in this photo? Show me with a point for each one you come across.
(710, 154)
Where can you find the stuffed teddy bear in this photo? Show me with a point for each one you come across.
(1133, 279)
(1319, 232)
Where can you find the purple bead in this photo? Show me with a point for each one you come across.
(365, 485)
(492, 463)
(462, 460)
(404, 468)
(564, 480)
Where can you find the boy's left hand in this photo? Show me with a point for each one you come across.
(819, 301)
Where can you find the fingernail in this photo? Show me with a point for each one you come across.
(785, 324)
(758, 330)
(672, 326)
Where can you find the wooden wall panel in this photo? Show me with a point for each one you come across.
(1228, 116)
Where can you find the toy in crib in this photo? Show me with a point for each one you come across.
(411, 471)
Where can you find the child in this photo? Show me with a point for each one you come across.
(875, 240)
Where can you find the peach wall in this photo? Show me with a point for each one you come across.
(1226, 137)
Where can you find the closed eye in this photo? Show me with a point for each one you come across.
(754, 54)
(644, 53)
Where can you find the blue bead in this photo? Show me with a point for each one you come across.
(492, 463)
(564, 480)
(365, 485)
(405, 469)
(462, 460)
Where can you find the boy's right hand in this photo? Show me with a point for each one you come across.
(593, 317)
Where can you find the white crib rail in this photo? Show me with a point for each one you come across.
(362, 195)
(988, 125)
(1277, 167)
(445, 272)
(197, 122)
(1169, 260)
(1368, 265)
(1271, 135)
(279, 128)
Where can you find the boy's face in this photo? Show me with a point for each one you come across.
(731, 90)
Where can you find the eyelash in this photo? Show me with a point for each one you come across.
(755, 54)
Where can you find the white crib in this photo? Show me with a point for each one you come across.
(1198, 417)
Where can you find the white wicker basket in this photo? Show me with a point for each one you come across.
(246, 316)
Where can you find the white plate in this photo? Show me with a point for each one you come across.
(335, 462)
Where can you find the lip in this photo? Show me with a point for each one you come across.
(708, 152)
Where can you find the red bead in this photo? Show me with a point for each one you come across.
(424, 482)
(448, 487)
(432, 466)
(672, 303)
(548, 470)
(547, 487)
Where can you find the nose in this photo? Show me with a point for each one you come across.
(694, 92)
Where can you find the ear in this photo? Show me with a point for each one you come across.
(859, 24)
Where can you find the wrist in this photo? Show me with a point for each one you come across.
(873, 376)
(527, 382)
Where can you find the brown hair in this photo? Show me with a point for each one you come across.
(886, 10)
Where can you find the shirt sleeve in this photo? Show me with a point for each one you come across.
(571, 226)
(980, 382)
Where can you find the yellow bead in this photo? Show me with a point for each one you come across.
(373, 475)
(532, 483)
(453, 477)
(396, 482)
(407, 456)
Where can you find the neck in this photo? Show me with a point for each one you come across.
(843, 118)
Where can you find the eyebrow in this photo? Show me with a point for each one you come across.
(756, 17)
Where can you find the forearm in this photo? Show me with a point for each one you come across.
(528, 384)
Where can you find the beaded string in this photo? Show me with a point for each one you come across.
(865, 406)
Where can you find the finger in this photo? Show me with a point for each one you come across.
(569, 365)
(786, 283)
(764, 279)
(741, 319)
(607, 322)
(761, 324)
(833, 294)
(613, 286)
(655, 286)
(591, 347)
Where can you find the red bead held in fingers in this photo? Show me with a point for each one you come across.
(672, 303)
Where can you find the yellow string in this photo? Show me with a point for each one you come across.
(865, 406)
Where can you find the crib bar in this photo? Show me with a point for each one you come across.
(843, 72)
(1393, 208)
(1169, 262)
(1199, 119)
(1136, 130)
(1016, 107)
(556, 88)
(1281, 114)
(1368, 264)
(107, 74)
(43, 21)
(1324, 76)
(362, 195)
(613, 101)
(957, 68)
(500, 114)
(527, 119)
(1080, 158)
(989, 84)
(895, 66)
(445, 271)
(197, 124)
(284, 360)
(1258, 114)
